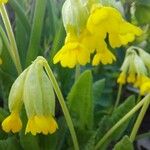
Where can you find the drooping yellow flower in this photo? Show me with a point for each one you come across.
(12, 123)
(131, 78)
(3, 1)
(133, 69)
(109, 20)
(122, 78)
(38, 99)
(74, 51)
(41, 124)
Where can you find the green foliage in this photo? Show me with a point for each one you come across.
(80, 101)
(10, 143)
(98, 88)
(124, 144)
(108, 121)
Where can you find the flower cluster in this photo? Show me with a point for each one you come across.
(30, 89)
(135, 69)
(101, 23)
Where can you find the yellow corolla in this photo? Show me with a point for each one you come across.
(76, 50)
(41, 124)
(12, 123)
(109, 19)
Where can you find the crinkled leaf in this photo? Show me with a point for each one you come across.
(110, 120)
(80, 101)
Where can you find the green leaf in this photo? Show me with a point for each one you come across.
(124, 144)
(80, 101)
(110, 120)
(98, 88)
(21, 14)
(10, 143)
(37, 26)
(143, 2)
(142, 10)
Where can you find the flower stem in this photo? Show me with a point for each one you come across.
(77, 72)
(140, 118)
(11, 38)
(63, 105)
(118, 96)
(120, 122)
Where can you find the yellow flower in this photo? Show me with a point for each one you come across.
(38, 99)
(131, 78)
(3, 1)
(41, 124)
(104, 57)
(145, 87)
(122, 78)
(140, 79)
(12, 123)
(74, 51)
(105, 20)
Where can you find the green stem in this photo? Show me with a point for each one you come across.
(119, 123)
(140, 118)
(11, 38)
(63, 105)
(139, 98)
(118, 96)
(77, 72)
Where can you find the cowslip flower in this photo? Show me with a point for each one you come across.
(87, 33)
(76, 50)
(133, 69)
(33, 89)
(108, 20)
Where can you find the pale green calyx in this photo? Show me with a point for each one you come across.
(75, 14)
(16, 93)
(33, 88)
(133, 63)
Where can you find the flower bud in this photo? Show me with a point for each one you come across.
(74, 15)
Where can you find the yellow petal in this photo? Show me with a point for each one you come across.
(12, 123)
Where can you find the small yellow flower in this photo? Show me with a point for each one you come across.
(131, 78)
(41, 124)
(12, 123)
(104, 57)
(73, 52)
(122, 78)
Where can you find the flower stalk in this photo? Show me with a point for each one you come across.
(140, 118)
(118, 96)
(11, 37)
(63, 105)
